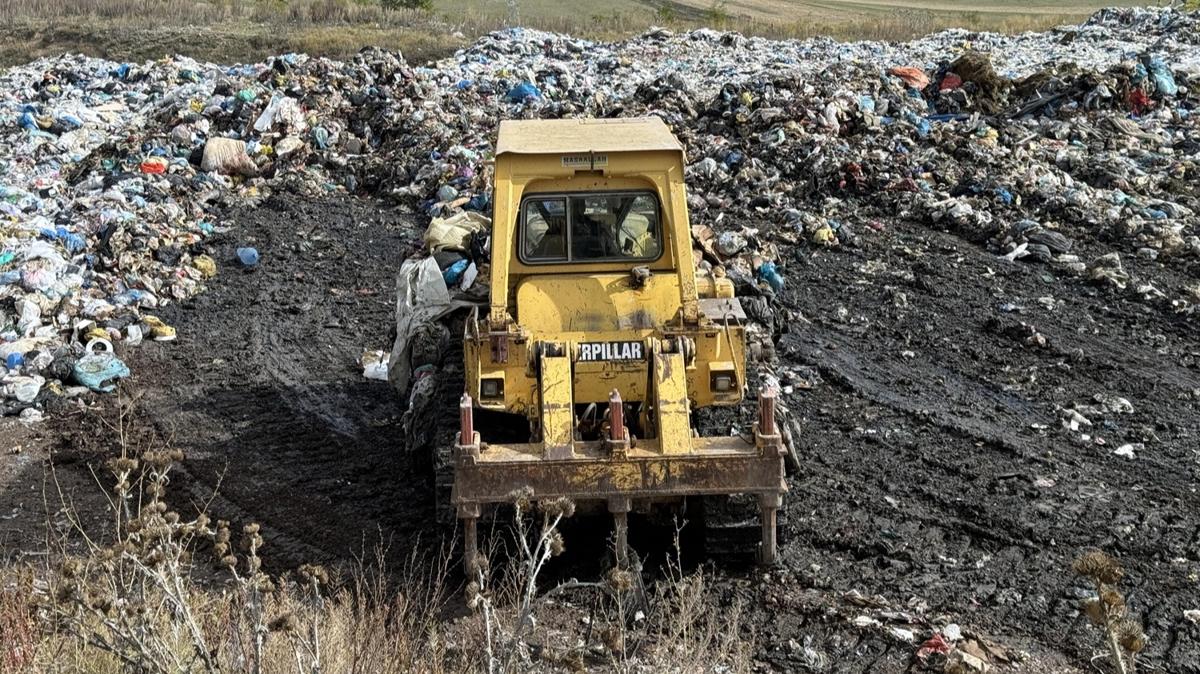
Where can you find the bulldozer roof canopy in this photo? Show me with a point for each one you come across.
(566, 136)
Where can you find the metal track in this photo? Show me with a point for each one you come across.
(429, 436)
(732, 529)
(451, 382)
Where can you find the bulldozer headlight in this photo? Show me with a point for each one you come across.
(722, 382)
(491, 388)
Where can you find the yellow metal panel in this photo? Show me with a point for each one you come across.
(558, 413)
(595, 381)
(596, 303)
(568, 136)
(520, 387)
(711, 286)
(722, 344)
(671, 404)
(503, 233)
(677, 215)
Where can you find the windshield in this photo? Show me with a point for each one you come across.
(590, 227)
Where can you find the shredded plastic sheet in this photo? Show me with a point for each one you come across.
(421, 299)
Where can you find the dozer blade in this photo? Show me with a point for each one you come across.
(619, 472)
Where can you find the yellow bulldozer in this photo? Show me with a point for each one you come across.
(601, 334)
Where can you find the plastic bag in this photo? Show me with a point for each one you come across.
(226, 155)
(454, 233)
(98, 371)
(1164, 80)
(421, 297)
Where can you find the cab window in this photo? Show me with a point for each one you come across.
(545, 229)
(591, 227)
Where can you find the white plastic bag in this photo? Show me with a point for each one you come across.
(421, 297)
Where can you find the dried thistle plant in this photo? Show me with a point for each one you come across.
(1108, 609)
(1099, 567)
(505, 635)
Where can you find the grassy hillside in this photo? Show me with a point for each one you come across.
(876, 19)
(239, 30)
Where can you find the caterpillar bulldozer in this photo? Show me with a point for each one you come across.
(601, 334)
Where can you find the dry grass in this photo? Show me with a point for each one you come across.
(368, 626)
(245, 30)
(153, 590)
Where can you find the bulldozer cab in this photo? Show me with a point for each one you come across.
(600, 335)
(588, 197)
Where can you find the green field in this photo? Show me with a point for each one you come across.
(240, 30)
(785, 11)
(801, 18)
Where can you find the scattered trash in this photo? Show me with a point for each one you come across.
(1129, 450)
(934, 645)
(523, 92)
(767, 272)
(31, 415)
(227, 155)
(374, 365)
(21, 388)
(99, 371)
(962, 661)
(248, 256)
(865, 621)
(913, 77)
(454, 272)
(205, 265)
(730, 243)
(161, 332)
(455, 233)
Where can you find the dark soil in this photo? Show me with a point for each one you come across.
(937, 473)
(938, 484)
(263, 392)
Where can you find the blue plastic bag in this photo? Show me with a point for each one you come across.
(767, 272)
(74, 243)
(478, 202)
(1164, 80)
(97, 371)
(1139, 73)
(320, 137)
(454, 272)
(247, 256)
(523, 92)
(922, 125)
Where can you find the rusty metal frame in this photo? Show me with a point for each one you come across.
(620, 470)
(719, 466)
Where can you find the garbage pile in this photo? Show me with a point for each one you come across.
(114, 176)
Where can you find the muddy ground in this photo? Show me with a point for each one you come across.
(938, 484)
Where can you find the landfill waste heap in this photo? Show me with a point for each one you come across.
(114, 176)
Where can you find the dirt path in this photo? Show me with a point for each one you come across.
(262, 390)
